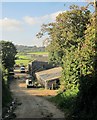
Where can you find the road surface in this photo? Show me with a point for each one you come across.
(33, 102)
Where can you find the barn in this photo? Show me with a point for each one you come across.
(49, 78)
(38, 65)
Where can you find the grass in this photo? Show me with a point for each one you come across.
(65, 101)
(20, 62)
(37, 53)
(25, 59)
(22, 57)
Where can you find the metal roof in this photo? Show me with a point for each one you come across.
(50, 74)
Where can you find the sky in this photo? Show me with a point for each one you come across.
(21, 21)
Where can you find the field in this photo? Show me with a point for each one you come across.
(22, 62)
(24, 59)
(38, 53)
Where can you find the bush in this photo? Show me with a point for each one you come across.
(6, 94)
(86, 103)
(65, 100)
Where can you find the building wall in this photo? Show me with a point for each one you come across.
(51, 84)
(37, 66)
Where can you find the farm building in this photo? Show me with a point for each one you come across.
(37, 66)
(49, 78)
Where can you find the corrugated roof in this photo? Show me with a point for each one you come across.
(50, 74)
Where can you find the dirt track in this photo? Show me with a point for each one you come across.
(34, 103)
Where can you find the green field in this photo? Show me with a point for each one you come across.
(38, 53)
(22, 62)
(24, 59)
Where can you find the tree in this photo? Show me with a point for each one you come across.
(65, 32)
(74, 36)
(8, 52)
(86, 102)
(67, 36)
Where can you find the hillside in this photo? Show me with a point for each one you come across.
(26, 49)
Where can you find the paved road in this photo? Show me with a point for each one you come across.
(34, 104)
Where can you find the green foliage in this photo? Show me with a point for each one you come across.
(67, 35)
(23, 59)
(86, 106)
(65, 100)
(86, 102)
(64, 33)
(8, 53)
(6, 94)
(71, 70)
(22, 62)
(55, 57)
(74, 46)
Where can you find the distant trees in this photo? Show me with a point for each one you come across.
(27, 49)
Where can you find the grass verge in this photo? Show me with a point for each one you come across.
(65, 101)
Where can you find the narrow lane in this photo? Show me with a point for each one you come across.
(33, 102)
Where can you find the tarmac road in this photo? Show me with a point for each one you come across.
(33, 102)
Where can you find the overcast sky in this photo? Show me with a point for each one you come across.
(21, 21)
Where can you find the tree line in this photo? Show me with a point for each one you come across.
(27, 49)
(73, 45)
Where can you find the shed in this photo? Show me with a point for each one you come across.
(49, 78)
